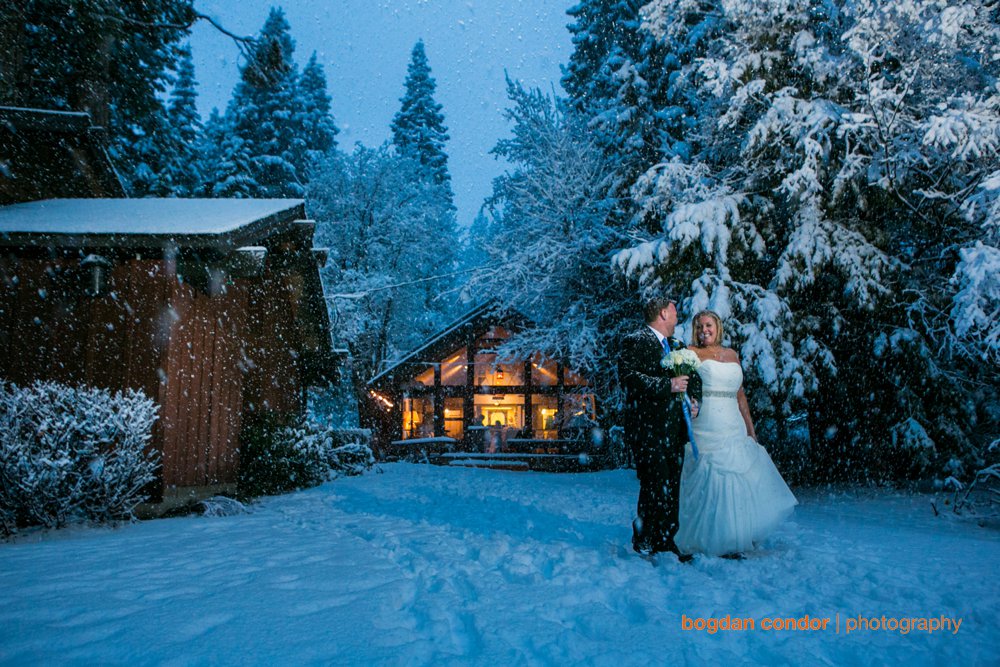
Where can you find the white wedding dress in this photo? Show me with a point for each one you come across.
(731, 496)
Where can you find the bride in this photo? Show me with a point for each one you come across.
(731, 495)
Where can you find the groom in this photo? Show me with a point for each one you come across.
(655, 430)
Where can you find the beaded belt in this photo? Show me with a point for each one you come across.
(718, 394)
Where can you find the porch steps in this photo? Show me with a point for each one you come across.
(513, 461)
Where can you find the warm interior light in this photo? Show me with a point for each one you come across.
(380, 398)
(499, 373)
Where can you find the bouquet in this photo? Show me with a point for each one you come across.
(681, 362)
(677, 363)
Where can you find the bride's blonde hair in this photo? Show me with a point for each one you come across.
(718, 325)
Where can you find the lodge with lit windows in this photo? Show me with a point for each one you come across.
(452, 400)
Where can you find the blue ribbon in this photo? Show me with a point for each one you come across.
(673, 344)
(686, 402)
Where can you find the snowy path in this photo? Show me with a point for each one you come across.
(429, 565)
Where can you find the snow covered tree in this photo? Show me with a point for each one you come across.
(259, 157)
(210, 151)
(835, 207)
(171, 165)
(618, 79)
(418, 129)
(317, 129)
(235, 171)
(182, 167)
(379, 216)
(277, 123)
(419, 134)
(549, 240)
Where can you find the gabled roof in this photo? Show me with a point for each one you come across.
(146, 223)
(479, 318)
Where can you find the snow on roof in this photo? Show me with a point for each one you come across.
(125, 221)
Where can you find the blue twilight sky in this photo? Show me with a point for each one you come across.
(365, 46)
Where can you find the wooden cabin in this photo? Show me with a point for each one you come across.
(454, 401)
(212, 307)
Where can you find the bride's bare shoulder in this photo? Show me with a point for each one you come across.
(729, 354)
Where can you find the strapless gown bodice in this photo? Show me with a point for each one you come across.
(720, 418)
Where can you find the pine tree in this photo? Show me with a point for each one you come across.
(418, 129)
(317, 129)
(235, 172)
(210, 151)
(259, 158)
(617, 80)
(182, 107)
(832, 208)
(182, 168)
(419, 134)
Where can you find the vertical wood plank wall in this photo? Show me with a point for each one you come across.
(49, 329)
(201, 400)
(181, 347)
(273, 382)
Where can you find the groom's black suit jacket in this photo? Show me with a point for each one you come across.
(653, 415)
(655, 432)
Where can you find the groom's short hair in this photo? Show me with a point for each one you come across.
(653, 306)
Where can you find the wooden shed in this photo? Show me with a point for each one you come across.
(454, 401)
(212, 307)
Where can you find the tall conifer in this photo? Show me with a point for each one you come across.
(258, 158)
(317, 129)
(181, 167)
(111, 59)
(418, 129)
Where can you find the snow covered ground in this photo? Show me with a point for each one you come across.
(430, 565)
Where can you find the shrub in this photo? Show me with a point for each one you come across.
(72, 453)
(278, 455)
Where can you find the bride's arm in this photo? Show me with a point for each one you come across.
(741, 400)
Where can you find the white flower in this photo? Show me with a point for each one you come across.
(681, 362)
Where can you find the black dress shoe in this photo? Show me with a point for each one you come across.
(642, 548)
(736, 556)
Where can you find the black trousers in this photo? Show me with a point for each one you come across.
(659, 473)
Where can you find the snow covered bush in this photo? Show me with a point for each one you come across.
(278, 456)
(980, 498)
(72, 453)
(348, 450)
